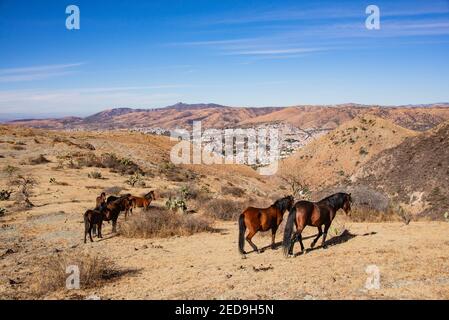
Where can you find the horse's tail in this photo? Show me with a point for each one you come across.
(242, 229)
(288, 230)
(86, 221)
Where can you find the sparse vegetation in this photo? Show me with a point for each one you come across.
(113, 190)
(94, 270)
(162, 223)
(233, 191)
(39, 160)
(55, 182)
(224, 209)
(25, 185)
(176, 204)
(2, 211)
(10, 170)
(363, 151)
(5, 195)
(95, 175)
(135, 179)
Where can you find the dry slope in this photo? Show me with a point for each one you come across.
(416, 172)
(334, 157)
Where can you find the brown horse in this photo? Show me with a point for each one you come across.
(257, 219)
(306, 213)
(93, 218)
(150, 195)
(114, 207)
(139, 202)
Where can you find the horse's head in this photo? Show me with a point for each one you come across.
(290, 202)
(347, 204)
(286, 203)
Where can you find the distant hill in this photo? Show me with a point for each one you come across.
(415, 118)
(218, 116)
(415, 173)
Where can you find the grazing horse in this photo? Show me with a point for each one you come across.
(306, 213)
(93, 218)
(257, 219)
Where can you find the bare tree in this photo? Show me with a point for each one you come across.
(297, 184)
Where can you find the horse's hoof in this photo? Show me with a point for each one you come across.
(324, 247)
(290, 255)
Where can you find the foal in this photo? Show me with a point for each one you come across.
(93, 218)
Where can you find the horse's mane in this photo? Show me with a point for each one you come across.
(281, 204)
(335, 201)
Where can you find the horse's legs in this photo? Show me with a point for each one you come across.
(273, 237)
(99, 230)
(296, 236)
(86, 228)
(114, 225)
(326, 227)
(320, 232)
(94, 230)
(249, 237)
(300, 241)
(90, 233)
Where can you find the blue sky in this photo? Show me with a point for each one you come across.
(146, 54)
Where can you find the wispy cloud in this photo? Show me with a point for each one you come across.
(331, 12)
(37, 72)
(276, 51)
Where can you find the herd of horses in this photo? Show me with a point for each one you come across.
(301, 214)
(108, 209)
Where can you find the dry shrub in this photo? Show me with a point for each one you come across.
(39, 160)
(113, 190)
(365, 214)
(52, 274)
(162, 223)
(110, 161)
(224, 209)
(233, 191)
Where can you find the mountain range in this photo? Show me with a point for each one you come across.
(182, 115)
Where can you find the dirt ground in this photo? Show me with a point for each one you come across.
(413, 262)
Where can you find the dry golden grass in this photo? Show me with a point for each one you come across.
(94, 270)
(163, 223)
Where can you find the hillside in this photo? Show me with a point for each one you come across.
(413, 118)
(415, 173)
(154, 267)
(334, 157)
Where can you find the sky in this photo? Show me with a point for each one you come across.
(147, 54)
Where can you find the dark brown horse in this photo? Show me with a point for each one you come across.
(257, 219)
(114, 207)
(93, 219)
(306, 213)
